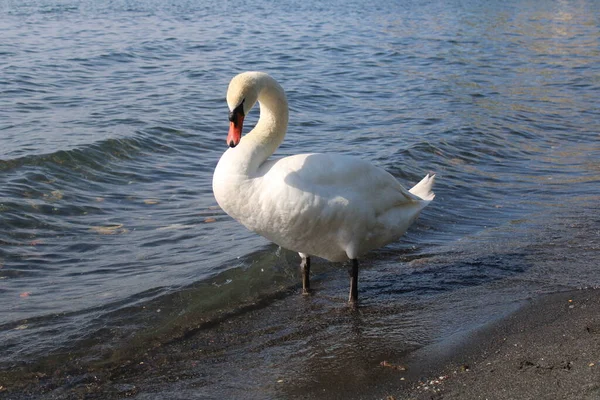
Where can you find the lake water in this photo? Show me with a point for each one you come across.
(113, 117)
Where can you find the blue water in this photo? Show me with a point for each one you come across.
(113, 117)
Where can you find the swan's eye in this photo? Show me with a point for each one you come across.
(239, 110)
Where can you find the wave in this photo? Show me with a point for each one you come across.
(98, 154)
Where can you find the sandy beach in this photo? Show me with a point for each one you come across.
(550, 349)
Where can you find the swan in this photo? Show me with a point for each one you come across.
(332, 206)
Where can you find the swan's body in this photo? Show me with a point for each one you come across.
(327, 205)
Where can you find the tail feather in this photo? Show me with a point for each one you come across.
(423, 188)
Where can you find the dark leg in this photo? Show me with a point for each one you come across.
(353, 298)
(305, 267)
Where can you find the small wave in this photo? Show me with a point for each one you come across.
(97, 154)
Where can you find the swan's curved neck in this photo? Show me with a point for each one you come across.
(269, 132)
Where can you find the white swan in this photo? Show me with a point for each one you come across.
(332, 206)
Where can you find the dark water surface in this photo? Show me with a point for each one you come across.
(114, 253)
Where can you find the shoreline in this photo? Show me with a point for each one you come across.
(548, 349)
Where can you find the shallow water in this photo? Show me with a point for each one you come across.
(113, 117)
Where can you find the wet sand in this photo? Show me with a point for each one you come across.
(550, 349)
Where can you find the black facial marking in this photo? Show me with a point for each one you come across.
(236, 111)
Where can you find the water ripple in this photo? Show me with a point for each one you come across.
(113, 117)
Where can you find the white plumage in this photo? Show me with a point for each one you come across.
(328, 205)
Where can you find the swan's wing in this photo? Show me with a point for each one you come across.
(333, 175)
(331, 206)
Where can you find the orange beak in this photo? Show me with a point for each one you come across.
(235, 130)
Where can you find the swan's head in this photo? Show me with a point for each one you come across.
(242, 94)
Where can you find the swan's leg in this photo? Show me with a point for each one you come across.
(353, 298)
(305, 267)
